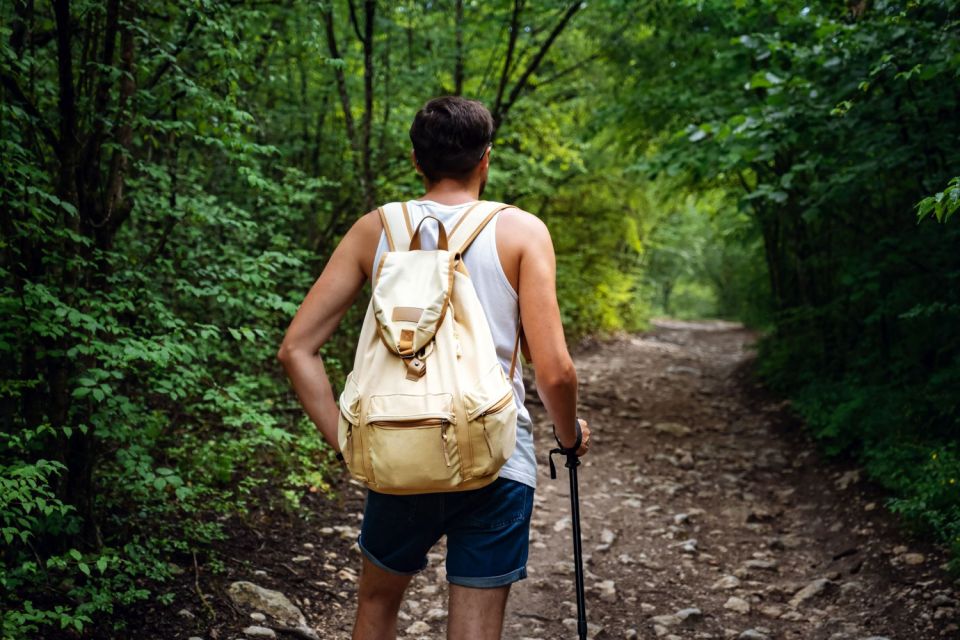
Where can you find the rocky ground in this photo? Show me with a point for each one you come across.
(706, 514)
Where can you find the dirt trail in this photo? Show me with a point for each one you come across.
(706, 514)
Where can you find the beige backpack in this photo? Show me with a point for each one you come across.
(427, 406)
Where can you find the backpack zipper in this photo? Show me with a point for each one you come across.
(443, 443)
(493, 407)
(486, 438)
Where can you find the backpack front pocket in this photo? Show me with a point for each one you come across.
(413, 445)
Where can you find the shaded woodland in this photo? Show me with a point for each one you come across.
(175, 175)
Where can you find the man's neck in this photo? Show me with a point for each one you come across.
(452, 192)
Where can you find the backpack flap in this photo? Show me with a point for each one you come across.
(410, 299)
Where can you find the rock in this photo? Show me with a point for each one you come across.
(913, 558)
(758, 563)
(186, 614)
(771, 611)
(607, 537)
(256, 616)
(562, 524)
(789, 541)
(877, 638)
(417, 627)
(347, 575)
(630, 634)
(813, 589)
(668, 620)
(687, 546)
(607, 591)
(726, 582)
(435, 614)
(593, 630)
(752, 634)
(690, 613)
(941, 600)
(259, 632)
(273, 603)
(847, 478)
(301, 559)
(673, 428)
(737, 604)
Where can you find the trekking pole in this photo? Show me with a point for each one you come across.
(572, 462)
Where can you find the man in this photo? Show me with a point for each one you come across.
(487, 529)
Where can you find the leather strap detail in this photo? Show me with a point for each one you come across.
(386, 228)
(405, 348)
(464, 216)
(516, 347)
(406, 219)
(406, 314)
(415, 368)
(441, 235)
(396, 224)
(472, 223)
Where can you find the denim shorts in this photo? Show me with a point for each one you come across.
(487, 529)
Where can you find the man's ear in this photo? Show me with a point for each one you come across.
(413, 159)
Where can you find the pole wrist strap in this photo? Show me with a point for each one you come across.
(569, 452)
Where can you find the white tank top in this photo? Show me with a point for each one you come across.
(500, 305)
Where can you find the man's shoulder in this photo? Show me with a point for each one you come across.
(522, 224)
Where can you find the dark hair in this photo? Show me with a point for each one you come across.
(449, 136)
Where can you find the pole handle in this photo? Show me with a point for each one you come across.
(570, 452)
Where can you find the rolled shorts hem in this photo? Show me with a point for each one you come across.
(379, 564)
(489, 582)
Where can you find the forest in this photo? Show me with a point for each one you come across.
(175, 175)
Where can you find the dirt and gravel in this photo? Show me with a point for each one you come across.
(706, 512)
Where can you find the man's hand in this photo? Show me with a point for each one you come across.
(585, 441)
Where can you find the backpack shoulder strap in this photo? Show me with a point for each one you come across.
(396, 224)
(471, 223)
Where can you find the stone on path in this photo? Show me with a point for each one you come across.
(607, 590)
(752, 634)
(726, 582)
(593, 630)
(273, 603)
(259, 632)
(813, 589)
(737, 604)
(417, 627)
(673, 428)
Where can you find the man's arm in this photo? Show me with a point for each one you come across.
(540, 314)
(317, 318)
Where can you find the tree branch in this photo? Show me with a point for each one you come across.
(458, 64)
(507, 61)
(535, 63)
(369, 10)
(354, 22)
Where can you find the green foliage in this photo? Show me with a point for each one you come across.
(166, 209)
(829, 123)
(942, 204)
